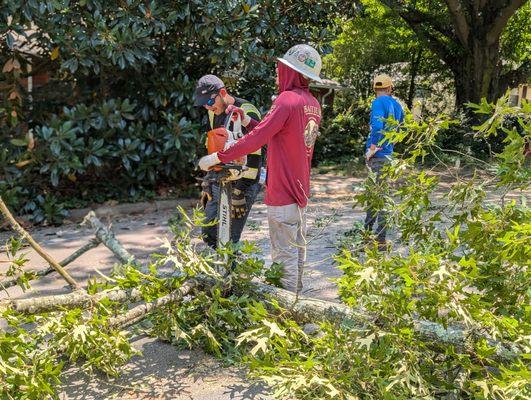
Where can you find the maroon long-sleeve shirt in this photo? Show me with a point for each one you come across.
(289, 129)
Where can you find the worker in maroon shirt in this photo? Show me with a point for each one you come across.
(289, 130)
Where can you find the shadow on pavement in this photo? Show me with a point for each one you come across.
(163, 372)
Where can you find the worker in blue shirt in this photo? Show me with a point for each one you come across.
(378, 151)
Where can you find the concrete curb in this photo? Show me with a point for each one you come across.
(77, 215)
(121, 209)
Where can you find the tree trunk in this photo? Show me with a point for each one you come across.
(469, 45)
(413, 72)
(477, 73)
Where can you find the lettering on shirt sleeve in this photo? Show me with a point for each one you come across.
(312, 110)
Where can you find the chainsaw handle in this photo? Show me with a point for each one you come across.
(236, 130)
(236, 167)
(229, 119)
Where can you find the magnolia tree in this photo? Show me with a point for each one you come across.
(115, 117)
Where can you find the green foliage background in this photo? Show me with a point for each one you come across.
(116, 118)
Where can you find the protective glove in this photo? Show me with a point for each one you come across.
(207, 162)
(371, 151)
(239, 205)
(206, 194)
(238, 111)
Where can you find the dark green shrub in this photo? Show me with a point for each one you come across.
(98, 151)
(115, 118)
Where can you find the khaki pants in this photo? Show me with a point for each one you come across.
(287, 231)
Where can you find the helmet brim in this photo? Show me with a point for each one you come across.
(300, 70)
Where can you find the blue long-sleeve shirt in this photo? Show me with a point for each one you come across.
(383, 107)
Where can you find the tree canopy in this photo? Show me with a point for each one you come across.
(468, 36)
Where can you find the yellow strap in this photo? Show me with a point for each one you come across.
(211, 122)
(211, 118)
(249, 108)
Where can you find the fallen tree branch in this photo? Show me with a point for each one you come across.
(136, 314)
(79, 298)
(306, 309)
(72, 257)
(25, 235)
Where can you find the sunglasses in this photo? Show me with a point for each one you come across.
(210, 102)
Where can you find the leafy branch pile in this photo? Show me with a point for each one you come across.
(87, 326)
(461, 262)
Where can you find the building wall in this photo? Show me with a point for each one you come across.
(522, 92)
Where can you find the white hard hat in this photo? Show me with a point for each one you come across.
(304, 59)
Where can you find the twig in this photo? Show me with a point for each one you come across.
(25, 235)
(461, 154)
(328, 222)
(107, 237)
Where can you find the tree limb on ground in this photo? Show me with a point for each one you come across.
(306, 310)
(107, 237)
(136, 314)
(79, 298)
(25, 235)
(302, 309)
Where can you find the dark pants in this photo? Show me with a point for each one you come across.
(376, 164)
(210, 233)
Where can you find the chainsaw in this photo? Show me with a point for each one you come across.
(219, 139)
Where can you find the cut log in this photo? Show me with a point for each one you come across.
(79, 298)
(305, 310)
(72, 257)
(25, 235)
(136, 314)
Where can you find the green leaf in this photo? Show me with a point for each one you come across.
(261, 345)
(19, 142)
(10, 40)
